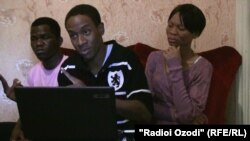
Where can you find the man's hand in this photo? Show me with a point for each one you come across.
(10, 93)
(76, 82)
(4, 83)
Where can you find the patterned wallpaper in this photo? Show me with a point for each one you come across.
(127, 21)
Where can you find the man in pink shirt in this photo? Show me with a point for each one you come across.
(46, 40)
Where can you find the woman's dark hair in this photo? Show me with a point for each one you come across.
(192, 17)
(53, 25)
(84, 9)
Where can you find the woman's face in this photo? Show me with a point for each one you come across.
(177, 33)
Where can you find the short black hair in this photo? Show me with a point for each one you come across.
(191, 16)
(85, 9)
(53, 24)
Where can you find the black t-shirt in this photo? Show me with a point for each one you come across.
(122, 70)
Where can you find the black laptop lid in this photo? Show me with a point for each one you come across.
(63, 113)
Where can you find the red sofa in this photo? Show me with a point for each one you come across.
(226, 62)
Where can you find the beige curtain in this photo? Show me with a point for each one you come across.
(243, 46)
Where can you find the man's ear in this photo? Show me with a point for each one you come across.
(101, 28)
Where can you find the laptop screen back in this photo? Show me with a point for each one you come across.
(63, 113)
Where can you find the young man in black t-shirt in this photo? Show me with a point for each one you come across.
(106, 64)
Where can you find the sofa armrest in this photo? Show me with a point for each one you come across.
(226, 62)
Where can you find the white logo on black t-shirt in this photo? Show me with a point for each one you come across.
(115, 79)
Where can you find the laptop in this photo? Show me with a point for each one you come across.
(64, 113)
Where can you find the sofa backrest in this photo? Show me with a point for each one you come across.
(142, 51)
(67, 51)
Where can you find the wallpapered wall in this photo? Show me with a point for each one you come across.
(127, 21)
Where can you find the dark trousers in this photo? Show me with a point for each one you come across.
(5, 130)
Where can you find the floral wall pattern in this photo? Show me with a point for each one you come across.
(127, 21)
